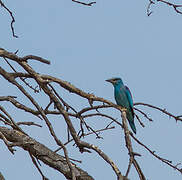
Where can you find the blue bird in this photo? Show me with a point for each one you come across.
(124, 99)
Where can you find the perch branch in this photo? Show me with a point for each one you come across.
(130, 148)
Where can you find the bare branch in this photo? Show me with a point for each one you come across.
(71, 166)
(144, 114)
(129, 167)
(177, 118)
(109, 161)
(100, 130)
(6, 120)
(61, 99)
(23, 79)
(103, 115)
(28, 124)
(68, 113)
(14, 125)
(158, 157)
(130, 148)
(18, 105)
(175, 6)
(149, 12)
(138, 118)
(85, 4)
(40, 59)
(14, 57)
(43, 153)
(36, 165)
(12, 17)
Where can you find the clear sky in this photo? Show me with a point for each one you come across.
(87, 45)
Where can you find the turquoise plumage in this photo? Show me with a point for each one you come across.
(124, 99)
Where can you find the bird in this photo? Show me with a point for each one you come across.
(124, 99)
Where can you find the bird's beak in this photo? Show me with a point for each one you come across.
(109, 80)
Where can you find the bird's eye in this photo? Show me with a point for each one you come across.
(115, 80)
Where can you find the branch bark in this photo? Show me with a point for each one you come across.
(44, 154)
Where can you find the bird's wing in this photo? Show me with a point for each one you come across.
(130, 99)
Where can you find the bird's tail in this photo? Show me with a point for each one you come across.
(131, 121)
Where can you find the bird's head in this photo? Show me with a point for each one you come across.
(115, 81)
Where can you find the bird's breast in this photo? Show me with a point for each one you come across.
(120, 97)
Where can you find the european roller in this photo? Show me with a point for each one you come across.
(124, 99)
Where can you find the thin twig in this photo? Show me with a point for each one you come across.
(138, 118)
(144, 114)
(32, 57)
(166, 161)
(23, 79)
(100, 130)
(129, 167)
(36, 165)
(149, 12)
(175, 6)
(177, 118)
(28, 124)
(12, 17)
(61, 99)
(15, 126)
(18, 105)
(85, 4)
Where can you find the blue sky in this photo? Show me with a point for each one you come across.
(87, 45)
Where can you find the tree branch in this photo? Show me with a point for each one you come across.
(68, 112)
(169, 163)
(43, 153)
(12, 17)
(175, 6)
(130, 148)
(85, 4)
